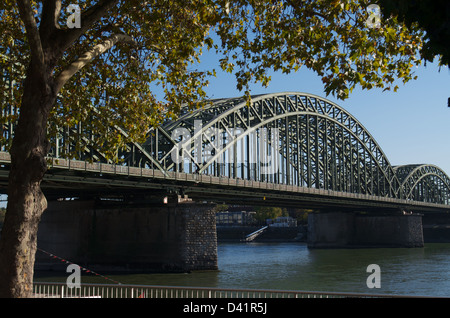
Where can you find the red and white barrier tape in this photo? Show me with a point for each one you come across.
(82, 268)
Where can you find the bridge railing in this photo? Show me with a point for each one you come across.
(61, 290)
(119, 170)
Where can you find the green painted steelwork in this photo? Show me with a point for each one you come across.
(310, 141)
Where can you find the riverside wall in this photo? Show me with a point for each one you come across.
(236, 233)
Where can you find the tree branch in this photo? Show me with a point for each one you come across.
(34, 39)
(295, 7)
(50, 13)
(88, 18)
(89, 56)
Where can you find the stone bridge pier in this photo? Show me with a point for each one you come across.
(345, 230)
(179, 236)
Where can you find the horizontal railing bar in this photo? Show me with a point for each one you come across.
(154, 291)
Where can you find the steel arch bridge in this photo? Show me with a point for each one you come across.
(426, 183)
(289, 138)
(292, 138)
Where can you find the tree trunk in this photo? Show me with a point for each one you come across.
(26, 201)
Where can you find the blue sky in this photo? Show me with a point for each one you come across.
(411, 125)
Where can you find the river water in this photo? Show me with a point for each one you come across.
(292, 266)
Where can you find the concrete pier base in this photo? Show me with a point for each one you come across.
(345, 230)
(177, 237)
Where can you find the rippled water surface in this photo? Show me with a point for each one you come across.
(292, 266)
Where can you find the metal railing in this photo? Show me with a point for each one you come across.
(118, 170)
(61, 290)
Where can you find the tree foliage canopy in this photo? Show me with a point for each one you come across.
(431, 15)
(109, 74)
(264, 213)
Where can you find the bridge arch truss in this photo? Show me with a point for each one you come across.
(291, 138)
(424, 182)
(306, 140)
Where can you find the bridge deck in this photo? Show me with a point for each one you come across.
(72, 176)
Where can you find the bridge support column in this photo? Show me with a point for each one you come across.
(173, 237)
(345, 230)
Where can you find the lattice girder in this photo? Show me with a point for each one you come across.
(424, 183)
(320, 144)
